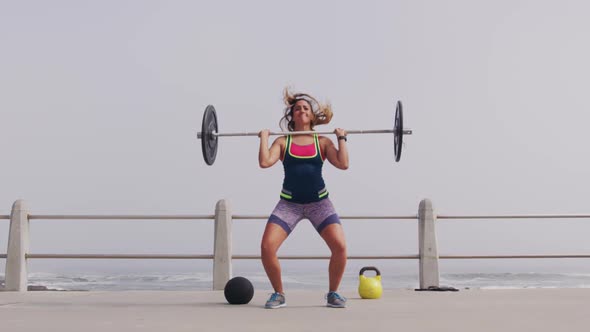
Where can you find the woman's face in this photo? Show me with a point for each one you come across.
(302, 113)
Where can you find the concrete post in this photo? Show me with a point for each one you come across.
(18, 246)
(223, 245)
(429, 275)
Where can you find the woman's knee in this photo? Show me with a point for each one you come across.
(338, 247)
(267, 248)
(334, 237)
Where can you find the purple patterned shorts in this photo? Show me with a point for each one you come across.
(287, 214)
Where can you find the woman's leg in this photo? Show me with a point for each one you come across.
(274, 236)
(333, 234)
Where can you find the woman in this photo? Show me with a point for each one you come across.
(304, 194)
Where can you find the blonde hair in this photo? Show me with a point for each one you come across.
(322, 112)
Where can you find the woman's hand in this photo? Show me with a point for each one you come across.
(337, 156)
(340, 133)
(264, 134)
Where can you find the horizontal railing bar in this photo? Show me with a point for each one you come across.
(2, 255)
(328, 257)
(184, 217)
(120, 256)
(291, 257)
(4, 217)
(415, 217)
(119, 217)
(264, 217)
(522, 216)
(166, 256)
(511, 256)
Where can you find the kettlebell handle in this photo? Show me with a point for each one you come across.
(369, 268)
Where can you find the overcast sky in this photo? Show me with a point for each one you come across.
(100, 103)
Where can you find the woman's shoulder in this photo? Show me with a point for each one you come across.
(324, 139)
(325, 142)
(281, 139)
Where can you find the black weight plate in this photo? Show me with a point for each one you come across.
(398, 131)
(208, 140)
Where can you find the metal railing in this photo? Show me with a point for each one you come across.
(190, 217)
(513, 217)
(518, 216)
(18, 253)
(7, 217)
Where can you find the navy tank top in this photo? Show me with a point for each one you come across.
(303, 181)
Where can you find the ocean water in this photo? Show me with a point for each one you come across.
(183, 281)
(169, 275)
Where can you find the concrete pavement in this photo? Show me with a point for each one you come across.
(398, 310)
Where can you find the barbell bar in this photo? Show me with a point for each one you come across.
(209, 134)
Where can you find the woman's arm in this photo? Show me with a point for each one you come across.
(337, 156)
(269, 156)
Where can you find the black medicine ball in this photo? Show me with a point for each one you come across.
(238, 290)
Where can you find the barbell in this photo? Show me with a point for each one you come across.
(209, 134)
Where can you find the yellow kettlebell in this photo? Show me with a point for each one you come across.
(370, 287)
